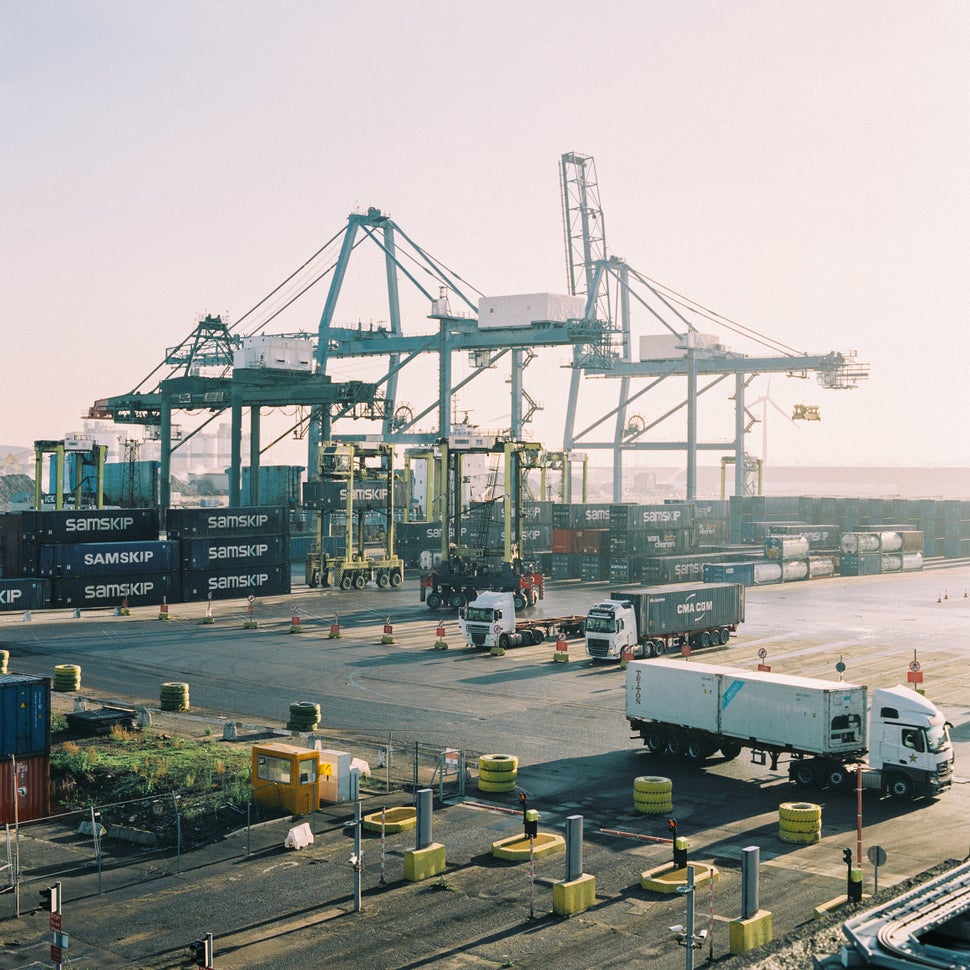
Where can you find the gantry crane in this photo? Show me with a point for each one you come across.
(610, 286)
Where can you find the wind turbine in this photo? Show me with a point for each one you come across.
(764, 401)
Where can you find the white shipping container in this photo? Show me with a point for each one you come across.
(673, 693)
(274, 353)
(800, 713)
(662, 346)
(524, 309)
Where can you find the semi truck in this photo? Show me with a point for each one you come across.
(490, 621)
(647, 621)
(685, 708)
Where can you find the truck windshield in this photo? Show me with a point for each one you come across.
(481, 614)
(600, 624)
(937, 737)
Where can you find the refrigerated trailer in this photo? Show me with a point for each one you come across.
(685, 708)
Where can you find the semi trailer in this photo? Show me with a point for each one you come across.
(647, 621)
(490, 621)
(684, 708)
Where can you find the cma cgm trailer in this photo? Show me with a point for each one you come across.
(681, 707)
(650, 620)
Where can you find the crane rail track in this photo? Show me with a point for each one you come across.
(890, 935)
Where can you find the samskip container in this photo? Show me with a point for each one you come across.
(24, 594)
(202, 554)
(100, 591)
(236, 583)
(227, 523)
(90, 525)
(87, 559)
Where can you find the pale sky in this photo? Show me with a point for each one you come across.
(799, 167)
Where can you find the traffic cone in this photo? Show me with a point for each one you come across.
(334, 633)
(163, 611)
(562, 649)
(388, 636)
(440, 643)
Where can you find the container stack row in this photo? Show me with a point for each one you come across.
(117, 557)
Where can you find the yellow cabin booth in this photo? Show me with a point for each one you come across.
(297, 780)
(285, 777)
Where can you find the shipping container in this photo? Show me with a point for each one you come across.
(91, 525)
(99, 591)
(132, 484)
(867, 564)
(684, 607)
(566, 565)
(32, 785)
(203, 554)
(746, 573)
(631, 518)
(594, 569)
(859, 543)
(590, 516)
(227, 523)
(823, 538)
(754, 533)
(236, 583)
(278, 484)
(107, 558)
(11, 544)
(786, 547)
(24, 594)
(25, 715)
(661, 571)
(653, 542)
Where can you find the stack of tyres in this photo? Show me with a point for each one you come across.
(653, 795)
(174, 696)
(304, 716)
(497, 772)
(229, 553)
(67, 678)
(799, 823)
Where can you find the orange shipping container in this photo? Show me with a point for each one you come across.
(33, 788)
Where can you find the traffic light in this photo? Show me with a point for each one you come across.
(847, 856)
(672, 826)
(201, 951)
(50, 899)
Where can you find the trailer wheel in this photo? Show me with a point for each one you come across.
(730, 750)
(434, 601)
(900, 787)
(382, 581)
(704, 639)
(698, 748)
(804, 775)
(655, 739)
(346, 581)
(724, 634)
(396, 579)
(676, 744)
(360, 581)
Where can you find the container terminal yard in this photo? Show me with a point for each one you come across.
(116, 592)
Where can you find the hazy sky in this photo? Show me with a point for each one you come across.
(799, 167)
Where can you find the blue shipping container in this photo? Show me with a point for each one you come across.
(108, 559)
(202, 554)
(25, 715)
(236, 583)
(98, 591)
(90, 525)
(227, 523)
(24, 594)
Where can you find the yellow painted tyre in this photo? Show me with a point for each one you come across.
(496, 786)
(799, 812)
(497, 777)
(498, 762)
(800, 827)
(651, 784)
(654, 808)
(656, 797)
(799, 838)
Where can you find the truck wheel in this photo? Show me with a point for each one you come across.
(705, 639)
(434, 601)
(676, 744)
(900, 787)
(659, 648)
(724, 634)
(730, 750)
(346, 581)
(382, 581)
(456, 601)
(804, 775)
(503, 641)
(656, 740)
(396, 579)
(836, 776)
(537, 636)
(519, 600)
(360, 581)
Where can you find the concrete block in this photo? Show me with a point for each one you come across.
(424, 863)
(575, 896)
(746, 934)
